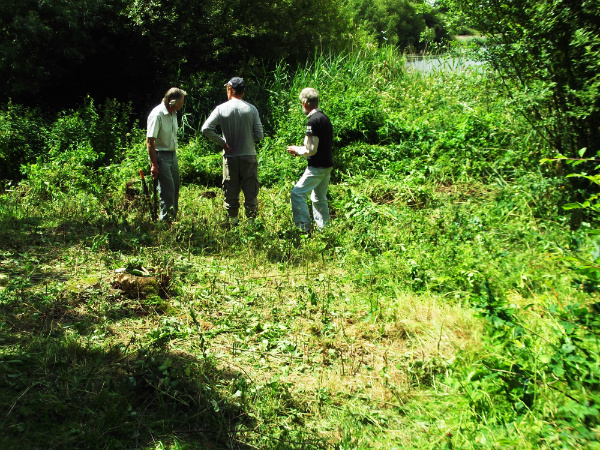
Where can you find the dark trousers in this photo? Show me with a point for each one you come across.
(240, 173)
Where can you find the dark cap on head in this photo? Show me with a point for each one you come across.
(237, 84)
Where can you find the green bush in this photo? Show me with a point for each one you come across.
(200, 162)
(90, 157)
(535, 371)
(23, 137)
(95, 136)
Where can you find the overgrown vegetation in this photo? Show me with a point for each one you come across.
(448, 305)
(546, 55)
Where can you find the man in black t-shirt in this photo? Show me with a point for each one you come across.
(318, 152)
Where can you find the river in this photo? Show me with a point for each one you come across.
(434, 63)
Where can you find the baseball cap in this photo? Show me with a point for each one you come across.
(237, 84)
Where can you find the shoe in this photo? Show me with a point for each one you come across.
(305, 230)
(294, 233)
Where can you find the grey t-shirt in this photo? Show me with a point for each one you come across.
(240, 125)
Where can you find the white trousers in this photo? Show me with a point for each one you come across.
(315, 180)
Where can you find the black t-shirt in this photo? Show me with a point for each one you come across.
(319, 125)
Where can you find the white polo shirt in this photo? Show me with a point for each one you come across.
(163, 127)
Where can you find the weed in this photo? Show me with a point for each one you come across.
(362, 335)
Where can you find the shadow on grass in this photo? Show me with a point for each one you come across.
(57, 394)
(22, 234)
(63, 385)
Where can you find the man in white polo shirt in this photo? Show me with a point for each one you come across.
(161, 140)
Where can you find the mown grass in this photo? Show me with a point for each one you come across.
(344, 339)
(370, 334)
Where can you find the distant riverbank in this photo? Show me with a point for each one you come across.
(450, 61)
(433, 63)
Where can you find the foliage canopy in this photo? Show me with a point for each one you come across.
(547, 54)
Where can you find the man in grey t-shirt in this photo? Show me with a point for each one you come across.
(241, 128)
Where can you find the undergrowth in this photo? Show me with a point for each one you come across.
(440, 309)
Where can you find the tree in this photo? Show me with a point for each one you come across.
(58, 51)
(402, 23)
(547, 53)
(204, 35)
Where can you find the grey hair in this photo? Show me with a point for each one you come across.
(173, 97)
(310, 96)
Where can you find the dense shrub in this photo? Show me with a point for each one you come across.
(23, 137)
(200, 163)
(100, 135)
(86, 153)
(444, 124)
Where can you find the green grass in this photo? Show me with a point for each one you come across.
(344, 340)
(435, 312)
